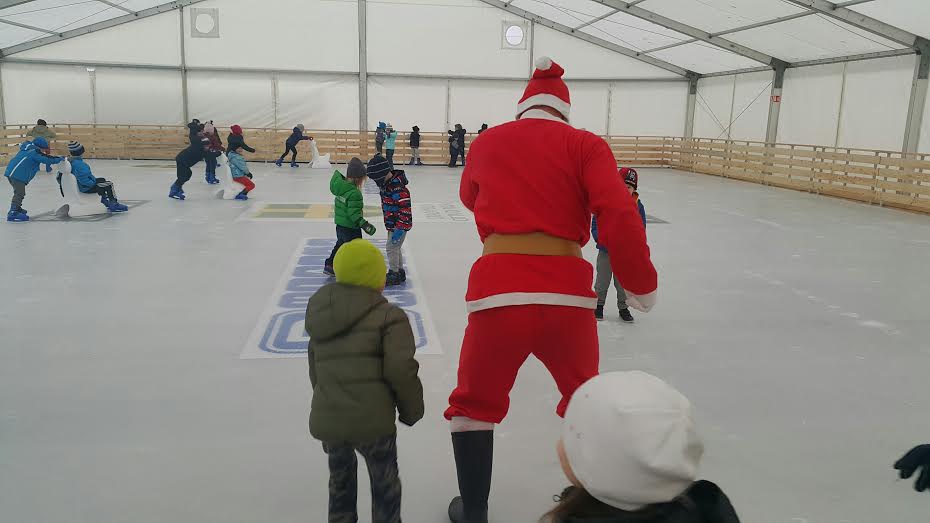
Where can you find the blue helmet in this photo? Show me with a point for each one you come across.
(40, 142)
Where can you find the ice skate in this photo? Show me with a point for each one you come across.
(599, 313)
(294, 165)
(626, 316)
(392, 279)
(176, 193)
(279, 162)
(242, 196)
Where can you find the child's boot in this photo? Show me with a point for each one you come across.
(173, 193)
(392, 279)
(17, 214)
(626, 316)
(114, 206)
(419, 162)
(402, 274)
(294, 164)
(410, 162)
(278, 163)
(242, 195)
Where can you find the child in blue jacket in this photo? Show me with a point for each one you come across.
(22, 169)
(390, 143)
(290, 146)
(604, 272)
(88, 183)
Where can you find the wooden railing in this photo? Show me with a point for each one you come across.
(879, 177)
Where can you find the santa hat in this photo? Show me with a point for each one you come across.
(546, 88)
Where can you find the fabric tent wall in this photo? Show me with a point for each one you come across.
(231, 98)
(751, 106)
(55, 93)
(476, 102)
(138, 96)
(405, 102)
(874, 110)
(714, 107)
(810, 105)
(317, 101)
(648, 108)
(589, 106)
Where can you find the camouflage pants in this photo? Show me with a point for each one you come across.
(381, 459)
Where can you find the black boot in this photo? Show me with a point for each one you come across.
(474, 454)
(599, 312)
(403, 275)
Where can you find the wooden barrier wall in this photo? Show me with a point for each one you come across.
(878, 177)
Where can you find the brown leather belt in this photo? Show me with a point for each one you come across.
(534, 244)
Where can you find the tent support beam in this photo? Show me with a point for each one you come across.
(771, 129)
(113, 22)
(185, 106)
(693, 32)
(588, 38)
(692, 104)
(362, 65)
(915, 108)
(116, 6)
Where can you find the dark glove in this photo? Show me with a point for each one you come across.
(369, 229)
(917, 458)
(48, 168)
(249, 175)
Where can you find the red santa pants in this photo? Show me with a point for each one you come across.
(498, 341)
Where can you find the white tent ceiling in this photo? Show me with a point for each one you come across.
(703, 36)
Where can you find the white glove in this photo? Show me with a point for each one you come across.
(643, 303)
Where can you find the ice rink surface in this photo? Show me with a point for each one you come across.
(798, 326)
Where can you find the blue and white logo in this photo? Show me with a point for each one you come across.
(280, 331)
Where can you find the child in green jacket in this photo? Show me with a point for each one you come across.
(348, 211)
(364, 377)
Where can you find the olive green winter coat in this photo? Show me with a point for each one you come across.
(349, 202)
(361, 365)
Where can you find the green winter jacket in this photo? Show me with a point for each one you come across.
(361, 365)
(349, 202)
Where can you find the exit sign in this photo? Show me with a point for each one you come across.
(776, 98)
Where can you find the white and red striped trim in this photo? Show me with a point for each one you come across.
(548, 100)
(531, 298)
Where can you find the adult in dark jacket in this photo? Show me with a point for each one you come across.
(917, 459)
(484, 127)
(186, 159)
(236, 140)
(457, 145)
(415, 147)
(290, 145)
(364, 377)
(630, 448)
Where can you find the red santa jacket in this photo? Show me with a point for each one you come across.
(539, 174)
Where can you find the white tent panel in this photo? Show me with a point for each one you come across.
(231, 98)
(634, 33)
(476, 102)
(648, 108)
(751, 106)
(11, 35)
(138, 5)
(150, 41)
(810, 105)
(811, 38)
(719, 15)
(583, 60)
(713, 107)
(56, 15)
(56, 93)
(589, 106)
(704, 58)
(910, 15)
(308, 35)
(317, 101)
(568, 12)
(875, 104)
(405, 102)
(462, 38)
(139, 97)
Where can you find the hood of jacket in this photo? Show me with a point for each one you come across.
(336, 308)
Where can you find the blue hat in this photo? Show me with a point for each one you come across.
(40, 142)
(75, 148)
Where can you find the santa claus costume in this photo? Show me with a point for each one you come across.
(533, 185)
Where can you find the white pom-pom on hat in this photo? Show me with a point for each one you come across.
(543, 63)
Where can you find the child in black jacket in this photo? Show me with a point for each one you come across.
(290, 146)
(415, 147)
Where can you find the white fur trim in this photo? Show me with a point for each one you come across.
(543, 63)
(643, 303)
(539, 114)
(531, 298)
(465, 424)
(549, 100)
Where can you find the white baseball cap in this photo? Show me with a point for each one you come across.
(630, 440)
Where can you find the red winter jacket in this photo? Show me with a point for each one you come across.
(395, 203)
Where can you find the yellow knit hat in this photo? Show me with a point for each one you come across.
(360, 263)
